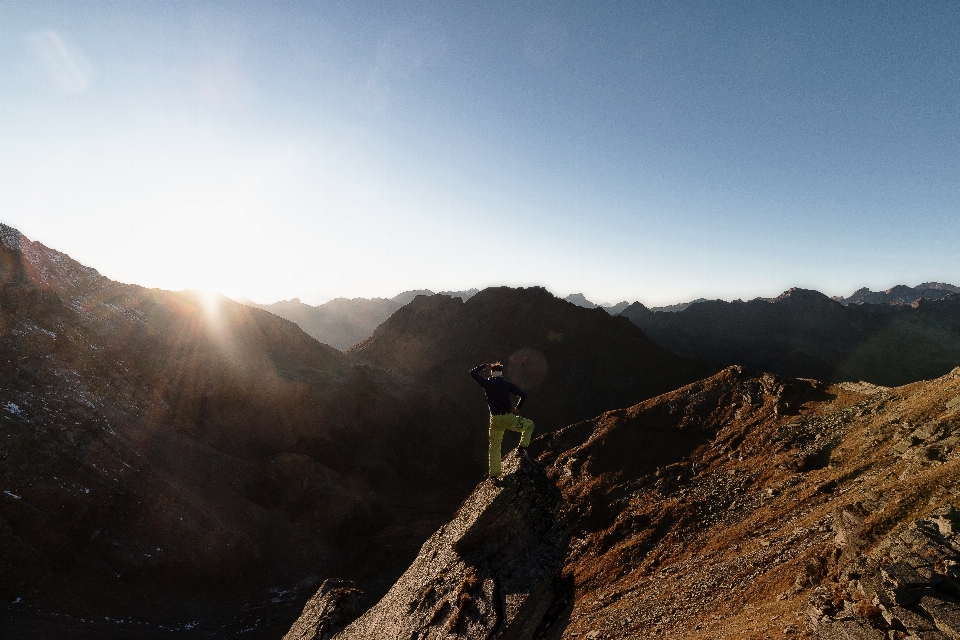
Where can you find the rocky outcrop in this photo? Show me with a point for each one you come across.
(909, 586)
(492, 572)
(333, 606)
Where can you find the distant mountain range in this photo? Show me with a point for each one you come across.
(900, 294)
(581, 301)
(343, 322)
(615, 309)
(803, 333)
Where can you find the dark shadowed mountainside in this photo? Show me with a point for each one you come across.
(573, 362)
(190, 465)
(343, 322)
(804, 333)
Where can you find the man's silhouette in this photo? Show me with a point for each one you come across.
(503, 415)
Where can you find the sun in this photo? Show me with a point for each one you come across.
(211, 303)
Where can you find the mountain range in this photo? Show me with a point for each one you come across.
(803, 333)
(900, 294)
(343, 322)
(179, 465)
(574, 362)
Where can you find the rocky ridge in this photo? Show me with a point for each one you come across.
(716, 510)
(753, 506)
(491, 572)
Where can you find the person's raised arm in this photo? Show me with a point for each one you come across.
(475, 374)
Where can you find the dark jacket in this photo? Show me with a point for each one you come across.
(498, 392)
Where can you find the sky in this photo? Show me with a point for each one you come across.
(652, 151)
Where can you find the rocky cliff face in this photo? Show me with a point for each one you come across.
(491, 572)
(804, 333)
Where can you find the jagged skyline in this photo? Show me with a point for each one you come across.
(637, 151)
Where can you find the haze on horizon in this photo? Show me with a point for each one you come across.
(624, 150)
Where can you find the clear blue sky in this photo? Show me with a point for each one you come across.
(659, 151)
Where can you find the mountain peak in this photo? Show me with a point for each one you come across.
(39, 266)
(796, 295)
(575, 362)
(581, 301)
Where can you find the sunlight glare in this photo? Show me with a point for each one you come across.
(210, 303)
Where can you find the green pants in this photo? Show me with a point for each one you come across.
(497, 426)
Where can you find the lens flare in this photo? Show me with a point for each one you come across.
(211, 303)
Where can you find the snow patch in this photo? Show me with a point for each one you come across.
(13, 408)
(12, 495)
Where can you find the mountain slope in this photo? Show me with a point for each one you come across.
(804, 333)
(725, 508)
(169, 458)
(573, 362)
(743, 505)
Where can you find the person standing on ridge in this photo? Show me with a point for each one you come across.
(502, 414)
